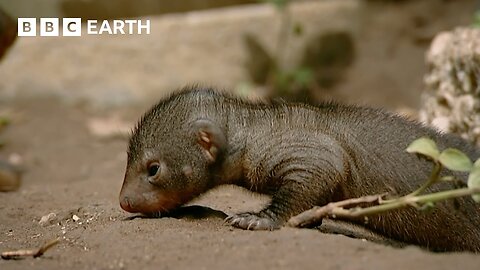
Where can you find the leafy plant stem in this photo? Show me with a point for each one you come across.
(405, 201)
(434, 176)
(283, 35)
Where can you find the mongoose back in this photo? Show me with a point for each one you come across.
(300, 155)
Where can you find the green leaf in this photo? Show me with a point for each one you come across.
(280, 4)
(298, 29)
(4, 121)
(474, 179)
(476, 19)
(424, 146)
(303, 76)
(447, 178)
(427, 206)
(455, 160)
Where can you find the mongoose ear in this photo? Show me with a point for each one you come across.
(210, 137)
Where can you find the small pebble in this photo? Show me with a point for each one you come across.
(48, 219)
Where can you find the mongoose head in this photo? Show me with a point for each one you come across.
(170, 159)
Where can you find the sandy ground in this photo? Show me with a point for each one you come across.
(71, 172)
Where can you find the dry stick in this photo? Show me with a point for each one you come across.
(317, 213)
(336, 210)
(17, 254)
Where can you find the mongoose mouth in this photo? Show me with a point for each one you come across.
(148, 206)
(154, 203)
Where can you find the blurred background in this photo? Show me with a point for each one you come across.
(357, 51)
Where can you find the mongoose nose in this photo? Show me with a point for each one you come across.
(126, 204)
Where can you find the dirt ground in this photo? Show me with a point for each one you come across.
(77, 175)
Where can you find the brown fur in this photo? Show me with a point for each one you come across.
(298, 154)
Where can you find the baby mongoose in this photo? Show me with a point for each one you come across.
(300, 155)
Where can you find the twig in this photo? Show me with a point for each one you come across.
(19, 254)
(336, 209)
(317, 213)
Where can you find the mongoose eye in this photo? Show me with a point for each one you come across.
(153, 169)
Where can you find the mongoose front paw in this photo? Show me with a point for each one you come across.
(251, 221)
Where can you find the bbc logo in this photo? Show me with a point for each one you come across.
(49, 27)
(72, 27)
